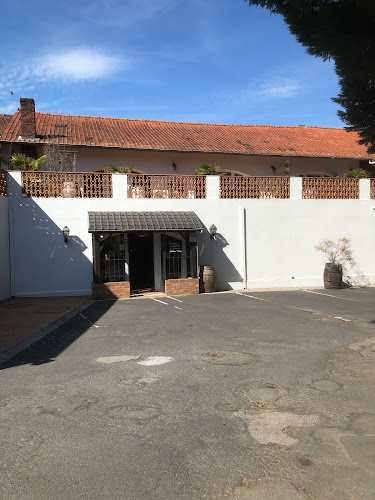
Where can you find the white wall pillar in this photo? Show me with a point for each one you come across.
(14, 184)
(120, 186)
(213, 187)
(296, 188)
(364, 189)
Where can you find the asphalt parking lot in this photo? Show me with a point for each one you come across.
(248, 395)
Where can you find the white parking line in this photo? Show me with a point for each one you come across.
(328, 295)
(250, 296)
(92, 324)
(161, 302)
(172, 298)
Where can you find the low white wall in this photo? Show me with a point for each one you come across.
(4, 250)
(280, 239)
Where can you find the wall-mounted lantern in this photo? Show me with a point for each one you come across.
(66, 232)
(174, 166)
(213, 231)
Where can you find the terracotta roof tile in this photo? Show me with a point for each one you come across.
(4, 121)
(180, 136)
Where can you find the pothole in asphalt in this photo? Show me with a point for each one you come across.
(262, 395)
(266, 488)
(326, 386)
(137, 414)
(275, 427)
(364, 423)
(66, 406)
(361, 449)
(365, 347)
(227, 358)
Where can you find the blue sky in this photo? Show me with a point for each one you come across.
(215, 61)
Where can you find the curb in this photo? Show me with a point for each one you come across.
(13, 351)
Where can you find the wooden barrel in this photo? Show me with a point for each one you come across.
(209, 279)
(332, 276)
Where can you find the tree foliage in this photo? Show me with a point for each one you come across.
(19, 161)
(344, 31)
(119, 170)
(357, 173)
(207, 169)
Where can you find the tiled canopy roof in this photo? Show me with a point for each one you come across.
(180, 136)
(144, 221)
(4, 121)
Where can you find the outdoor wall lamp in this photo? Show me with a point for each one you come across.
(174, 166)
(66, 232)
(213, 231)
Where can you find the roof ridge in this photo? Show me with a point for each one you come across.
(190, 123)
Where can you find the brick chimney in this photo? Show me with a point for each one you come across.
(28, 124)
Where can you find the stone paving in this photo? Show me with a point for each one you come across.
(23, 317)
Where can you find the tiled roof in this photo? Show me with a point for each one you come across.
(4, 121)
(144, 221)
(180, 136)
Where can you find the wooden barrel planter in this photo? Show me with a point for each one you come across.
(208, 279)
(332, 276)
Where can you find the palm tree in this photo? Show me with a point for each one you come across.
(19, 161)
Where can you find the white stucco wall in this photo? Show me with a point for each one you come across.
(159, 162)
(4, 250)
(280, 239)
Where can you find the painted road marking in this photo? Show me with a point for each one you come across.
(116, 359)
(176, 307)
(328, 295)
(155, 360)
(178, 300)
(161, 302)
(342, 319)
(250, 296)
(92, 324)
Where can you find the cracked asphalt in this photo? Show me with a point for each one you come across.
(248, 395)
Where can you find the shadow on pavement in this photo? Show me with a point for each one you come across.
(53, 344)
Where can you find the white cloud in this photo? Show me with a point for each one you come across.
(280, 88)
(272, 88)
(77, 65)
(63, 66)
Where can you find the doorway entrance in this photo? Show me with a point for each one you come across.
(141, 262)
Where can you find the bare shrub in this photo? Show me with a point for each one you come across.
(337, 252)
(57, 159)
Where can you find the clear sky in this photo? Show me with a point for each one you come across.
(215, 61)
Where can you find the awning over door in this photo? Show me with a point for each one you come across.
(143, 221)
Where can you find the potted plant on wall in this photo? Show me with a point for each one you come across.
(114, 169)
(207, 169)
(357, 173)
(339, 254)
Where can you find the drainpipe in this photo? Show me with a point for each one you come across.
(243, 245)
